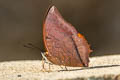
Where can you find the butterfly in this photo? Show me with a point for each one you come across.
(64, 44)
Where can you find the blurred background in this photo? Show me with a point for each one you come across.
(21, 23)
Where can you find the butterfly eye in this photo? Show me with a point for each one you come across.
(80, 35)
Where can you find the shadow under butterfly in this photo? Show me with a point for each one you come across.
(64, 45)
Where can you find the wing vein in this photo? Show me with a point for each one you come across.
(77, 51)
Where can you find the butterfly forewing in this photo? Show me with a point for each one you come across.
(59, 38)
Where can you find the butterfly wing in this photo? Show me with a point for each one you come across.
(59, 38)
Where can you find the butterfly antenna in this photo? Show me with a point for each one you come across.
(30, 45)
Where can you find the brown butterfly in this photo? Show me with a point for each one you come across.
(65, 46)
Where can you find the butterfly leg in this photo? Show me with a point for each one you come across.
(44, 60)
(66, 68)
(43, 65)
(61, 67)
(49, 67)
